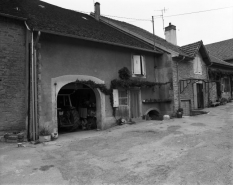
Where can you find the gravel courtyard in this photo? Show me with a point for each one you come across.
(192, 150)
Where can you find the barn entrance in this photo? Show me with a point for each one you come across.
(76, 108)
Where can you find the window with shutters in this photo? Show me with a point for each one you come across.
(123, 97)
(197, 66)
(138, 66)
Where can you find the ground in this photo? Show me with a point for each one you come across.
(189, 151)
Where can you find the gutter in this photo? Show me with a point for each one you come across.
(99, 41)
(13, 17)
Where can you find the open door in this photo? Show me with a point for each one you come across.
(135, 103)
(200, 97)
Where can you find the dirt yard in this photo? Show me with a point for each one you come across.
(189, 151)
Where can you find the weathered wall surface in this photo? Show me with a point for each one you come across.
(13, 94)
(65, 56)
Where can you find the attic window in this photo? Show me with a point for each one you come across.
(84, 18)
(41, 6)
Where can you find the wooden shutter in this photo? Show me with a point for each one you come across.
(115, 98)
(199, 66)
(136, 64)
(143, 66)
(195, 65)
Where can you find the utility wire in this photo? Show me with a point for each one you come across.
(158, 16)
(198, 11)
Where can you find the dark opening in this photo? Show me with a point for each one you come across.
(76, 108)
(154, 115)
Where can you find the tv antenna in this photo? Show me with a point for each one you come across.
(162, 15)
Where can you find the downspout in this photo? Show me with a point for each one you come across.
(33, 94)
(35, 86)
(33, 89)
(207, 72)
(28, 53)
(178, 83)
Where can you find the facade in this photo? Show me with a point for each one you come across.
(221, 54)
(55, 59)
(193, 78)
(67, 67)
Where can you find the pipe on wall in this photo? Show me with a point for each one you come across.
(178, 83)
(36, 125)
(33, 127)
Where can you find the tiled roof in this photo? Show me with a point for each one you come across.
(192, 49)
(145, 35)
(222, 50)
(217, 61)
(46, 17)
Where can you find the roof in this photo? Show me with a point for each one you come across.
(192, 49)
(144, 35)
(53, 19)
(222, 49)
(218, 61)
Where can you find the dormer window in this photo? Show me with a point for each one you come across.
(138, 66)
(197, 66)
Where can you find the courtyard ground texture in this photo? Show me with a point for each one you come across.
(189, 151)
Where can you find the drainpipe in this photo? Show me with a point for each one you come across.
(33, 89)
(33, 94)
(35, 85)
(29, 82)
(207, 72)
(178, 83)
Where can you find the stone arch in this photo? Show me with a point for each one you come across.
(151, 109)
(58, 82)
(153, 113)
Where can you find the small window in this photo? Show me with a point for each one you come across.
(138, 65)
(226, 85)
(123, 97)
(197, 66)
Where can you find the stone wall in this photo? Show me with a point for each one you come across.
(13, 106)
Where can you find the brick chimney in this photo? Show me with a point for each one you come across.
(97, 11)
(170, 34)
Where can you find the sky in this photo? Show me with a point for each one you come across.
(209, 26)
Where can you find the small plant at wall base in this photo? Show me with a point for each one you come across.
(44, 135)
(179, 113)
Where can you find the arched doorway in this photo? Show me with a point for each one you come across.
(59, 82)
(76, 108)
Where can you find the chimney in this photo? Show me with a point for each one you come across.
(170, 34)
(97, 11)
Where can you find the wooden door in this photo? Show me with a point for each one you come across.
(185, 104)
(134, 104)
(200, 98)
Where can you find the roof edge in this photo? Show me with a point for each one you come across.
(13, 17)
(99, 41)
(174, 54)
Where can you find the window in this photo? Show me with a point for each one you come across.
(138, 65)
(197, 66)
(123, 97)
(225, 85)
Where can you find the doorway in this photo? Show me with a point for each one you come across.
(135, 103)
(200, 97)
(76, 108)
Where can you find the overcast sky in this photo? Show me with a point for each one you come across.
(209, 26)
